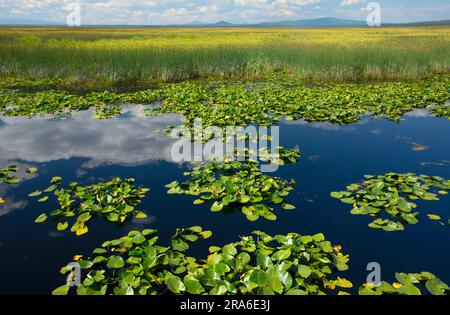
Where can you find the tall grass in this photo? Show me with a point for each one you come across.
(115, 54)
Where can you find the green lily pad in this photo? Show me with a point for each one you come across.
(387, 196)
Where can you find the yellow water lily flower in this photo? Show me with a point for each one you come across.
(120, 250)
(81, 230)
(330, 285)
(397, 285)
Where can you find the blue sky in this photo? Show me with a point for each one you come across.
(237, 11)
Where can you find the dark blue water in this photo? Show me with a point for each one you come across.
(86, 150)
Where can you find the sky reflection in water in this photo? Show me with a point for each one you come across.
(87, 150)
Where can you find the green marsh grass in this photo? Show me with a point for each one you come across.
(177, 54)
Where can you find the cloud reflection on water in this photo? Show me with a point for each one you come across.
(127, 140)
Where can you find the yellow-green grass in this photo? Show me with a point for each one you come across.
(112, 54)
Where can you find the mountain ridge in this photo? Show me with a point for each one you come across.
(318, 22)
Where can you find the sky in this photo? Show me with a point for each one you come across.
(154, 12)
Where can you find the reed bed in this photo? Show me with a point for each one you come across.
(177, 54)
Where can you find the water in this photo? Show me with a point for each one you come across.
(87, 150)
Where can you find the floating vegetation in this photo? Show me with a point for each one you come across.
(107, 112)
(441, 163)
(280, 156)
(46, 103)
(285, 264)
(115, 201)
(7, 175)
(419, 147)
(441, 111)
(438, 218)
(31, 170)
(414, 145)
(408, 285)
(244, 103)
(236, 185)
(257, 264)
(55, 103)
(389, 196)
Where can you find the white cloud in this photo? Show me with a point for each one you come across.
(351, 2)
(173, 12)
(237, 11)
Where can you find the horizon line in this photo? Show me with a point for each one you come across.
(216, 23)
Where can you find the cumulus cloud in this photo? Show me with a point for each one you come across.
(351, 2)
(156, 12)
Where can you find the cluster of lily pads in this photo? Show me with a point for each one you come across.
(260, 264)
(107, 112)
(7, 175)
(280, 156)
(57, 103)
(115, 201)
(388, 197)
(441, 111)
(257, 264)
(407, 285)
(243, 103)
(235, 185)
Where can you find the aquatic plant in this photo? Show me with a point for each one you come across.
(235, 185)
(439, 219)
(114, 201)
(289, 264)
(389, 196)
(107, 112)
(257, 264)
(441, 111)
(46, 103)
(7, 175)
(119, 55)
(242, 103)
(407, 285)
(279, 156)
(54, 103)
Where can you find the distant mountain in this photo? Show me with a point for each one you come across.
(222, 23)
(218, 24)
(320, 22)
